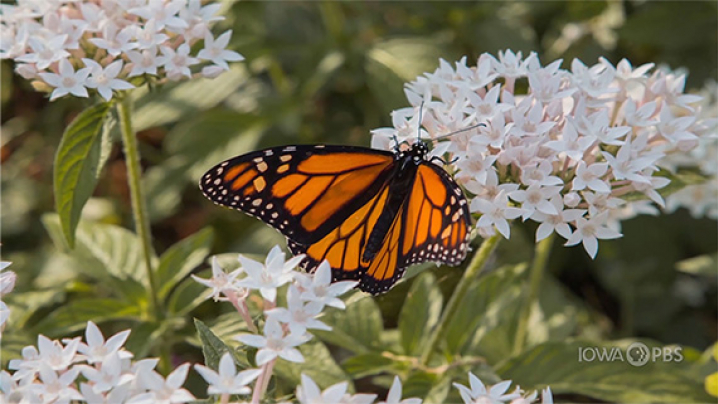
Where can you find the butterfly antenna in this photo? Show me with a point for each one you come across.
(459, 131)
(396, 141)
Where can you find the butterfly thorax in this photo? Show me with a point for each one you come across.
(399, 183)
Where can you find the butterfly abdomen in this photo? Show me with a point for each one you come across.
(399, 187)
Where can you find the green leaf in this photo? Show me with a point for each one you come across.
(186, 297)
(318, 364)
(74, 315)
(391, 63)
(433, 388)
(420, 313)
(483, 305)
(78, 163)
(368, 364)
(174, 101)
(226, 134)
(102, 251)
(213, 348)
(559, 365)
(357, 329)
(180, 259)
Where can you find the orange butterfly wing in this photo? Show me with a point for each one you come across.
(303, 191)
(431, 225)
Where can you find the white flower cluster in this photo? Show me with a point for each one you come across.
(103, 370)
(700, 199)
(567, 149)
(69, 46)
(7, 284)
(309, 393)
(285, 328)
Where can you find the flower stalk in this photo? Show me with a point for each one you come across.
(477, 263)
(538, 267)
(139, 208)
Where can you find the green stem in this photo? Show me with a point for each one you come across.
(538, 267)
(475, 266)
(139, 209)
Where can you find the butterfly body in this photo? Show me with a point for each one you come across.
(370, 213)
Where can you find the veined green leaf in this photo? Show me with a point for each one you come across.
(357, 329)
(102, 250)
(187, 296)
(213, 348)
(180, 259)
(75, 314)
(173, 101)
(78, 162)
(368, 364)
(318, 364)
(420, 313)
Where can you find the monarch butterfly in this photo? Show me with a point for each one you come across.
(370, 213)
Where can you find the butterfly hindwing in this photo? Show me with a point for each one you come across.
(437, 219)
(303, 191)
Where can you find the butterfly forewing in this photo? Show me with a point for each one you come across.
(303, 191)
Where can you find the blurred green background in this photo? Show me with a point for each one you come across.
(329, 72)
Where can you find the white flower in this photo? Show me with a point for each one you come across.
(104, 80)
(150, 36)
(495, 212)
(319, 288)
(298, 315)
(487, 107)
(590, 177)
(214, 50)
(571, 144)
(308, 392)
(144, 62)
(274, 343)
(120, 394)
(108, 376)
(227, 380)
(479, 394)
(588, 231)
(510, 64)
(536, 199)
(163, 391)
(639, 116)
(162, 12)
(7, 279)
(178, 63)
(54, 355)
(115, 42)
(97, 350)
(58, 388)
(45, 53)
(627, 165)
(538, 174)
(394, 396)
(68, 81)
(220, 280)
(557, 222)
(198, 18)
(267, 278)
(675, 129)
